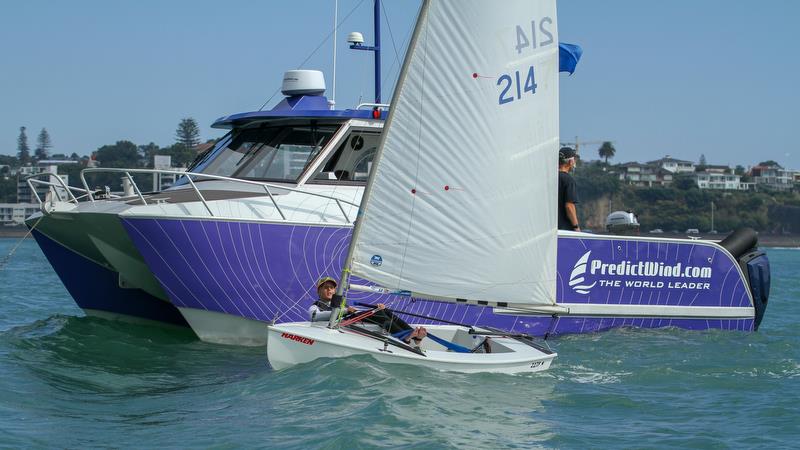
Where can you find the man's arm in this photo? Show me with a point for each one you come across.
(572, 215)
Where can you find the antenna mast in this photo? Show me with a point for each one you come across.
(357, 43)
(377, 25)
(332, 101)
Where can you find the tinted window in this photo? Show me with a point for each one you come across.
(352, 161)
(270, 153)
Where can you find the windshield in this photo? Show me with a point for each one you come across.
(271, 152)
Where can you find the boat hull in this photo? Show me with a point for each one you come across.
(262, 272)
(96, 288)
(290, 344)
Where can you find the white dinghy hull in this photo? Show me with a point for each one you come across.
(295, 343)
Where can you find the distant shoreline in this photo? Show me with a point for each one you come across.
(764, 240)
(11, 232)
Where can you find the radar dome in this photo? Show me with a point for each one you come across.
(303, 82)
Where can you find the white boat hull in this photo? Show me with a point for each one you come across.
(295, 343)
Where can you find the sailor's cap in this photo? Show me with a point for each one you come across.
(324, 280)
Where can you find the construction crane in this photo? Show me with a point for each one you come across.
(577, 144)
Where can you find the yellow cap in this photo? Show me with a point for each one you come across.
(324, 280)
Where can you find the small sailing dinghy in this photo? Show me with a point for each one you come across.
(461, 201)
(447, 347)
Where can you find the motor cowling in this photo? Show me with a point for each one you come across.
(743, 246)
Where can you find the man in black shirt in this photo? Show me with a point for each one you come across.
(567, 191)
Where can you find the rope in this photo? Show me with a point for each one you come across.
(358, 318)
(391, 35)
(6, 259)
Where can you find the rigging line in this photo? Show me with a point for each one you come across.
(389, 26)
(6, 259)
(315, 50)
(389, 73)
(421, 316)
(397, 54)
(391, 36)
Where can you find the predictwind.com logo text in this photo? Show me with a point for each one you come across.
(635, 274)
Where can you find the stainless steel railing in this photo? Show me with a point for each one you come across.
(191, 177)
(33, 181)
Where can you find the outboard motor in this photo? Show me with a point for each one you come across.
(622, 223)
(742, 244)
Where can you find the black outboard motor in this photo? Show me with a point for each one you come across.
(743, 245)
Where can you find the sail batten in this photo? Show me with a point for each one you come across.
(462, 199)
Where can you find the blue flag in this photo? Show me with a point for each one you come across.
(568, 57)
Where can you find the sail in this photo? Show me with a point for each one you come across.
(462, 201)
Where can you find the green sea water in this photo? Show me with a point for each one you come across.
(70, 381)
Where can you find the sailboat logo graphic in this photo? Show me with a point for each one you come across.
(576, 279)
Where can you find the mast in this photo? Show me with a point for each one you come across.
(332, 101)
(358, 44)
(377, 26)
(712, 215)
(338, 298)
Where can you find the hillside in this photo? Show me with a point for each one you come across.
(680, 208)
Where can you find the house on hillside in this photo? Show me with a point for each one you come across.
(644, 175)
(774, 177)
(720, 177)
(673, 165)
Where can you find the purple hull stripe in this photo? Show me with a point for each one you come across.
(267, 272)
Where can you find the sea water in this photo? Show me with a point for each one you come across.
(70, 381)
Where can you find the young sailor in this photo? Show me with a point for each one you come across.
(320, 311)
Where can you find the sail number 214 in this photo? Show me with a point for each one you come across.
(507, 82)
(511, 84)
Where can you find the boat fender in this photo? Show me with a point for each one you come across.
(740, 241)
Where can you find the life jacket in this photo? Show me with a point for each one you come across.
(322, 305)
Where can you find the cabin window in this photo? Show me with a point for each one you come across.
(352, 161)
(270, 153)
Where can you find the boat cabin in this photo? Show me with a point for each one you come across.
(298, 142)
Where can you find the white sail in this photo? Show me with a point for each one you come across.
(463, 200)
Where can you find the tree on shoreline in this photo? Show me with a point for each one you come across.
(43, 145)
(702, 163)
(607, 150)
(188, 133)
(23, 150)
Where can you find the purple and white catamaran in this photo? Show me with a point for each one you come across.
(240, 240)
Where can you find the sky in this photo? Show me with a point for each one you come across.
(679, 78)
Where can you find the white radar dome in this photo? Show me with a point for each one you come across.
(355, 38)
(303, 82)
